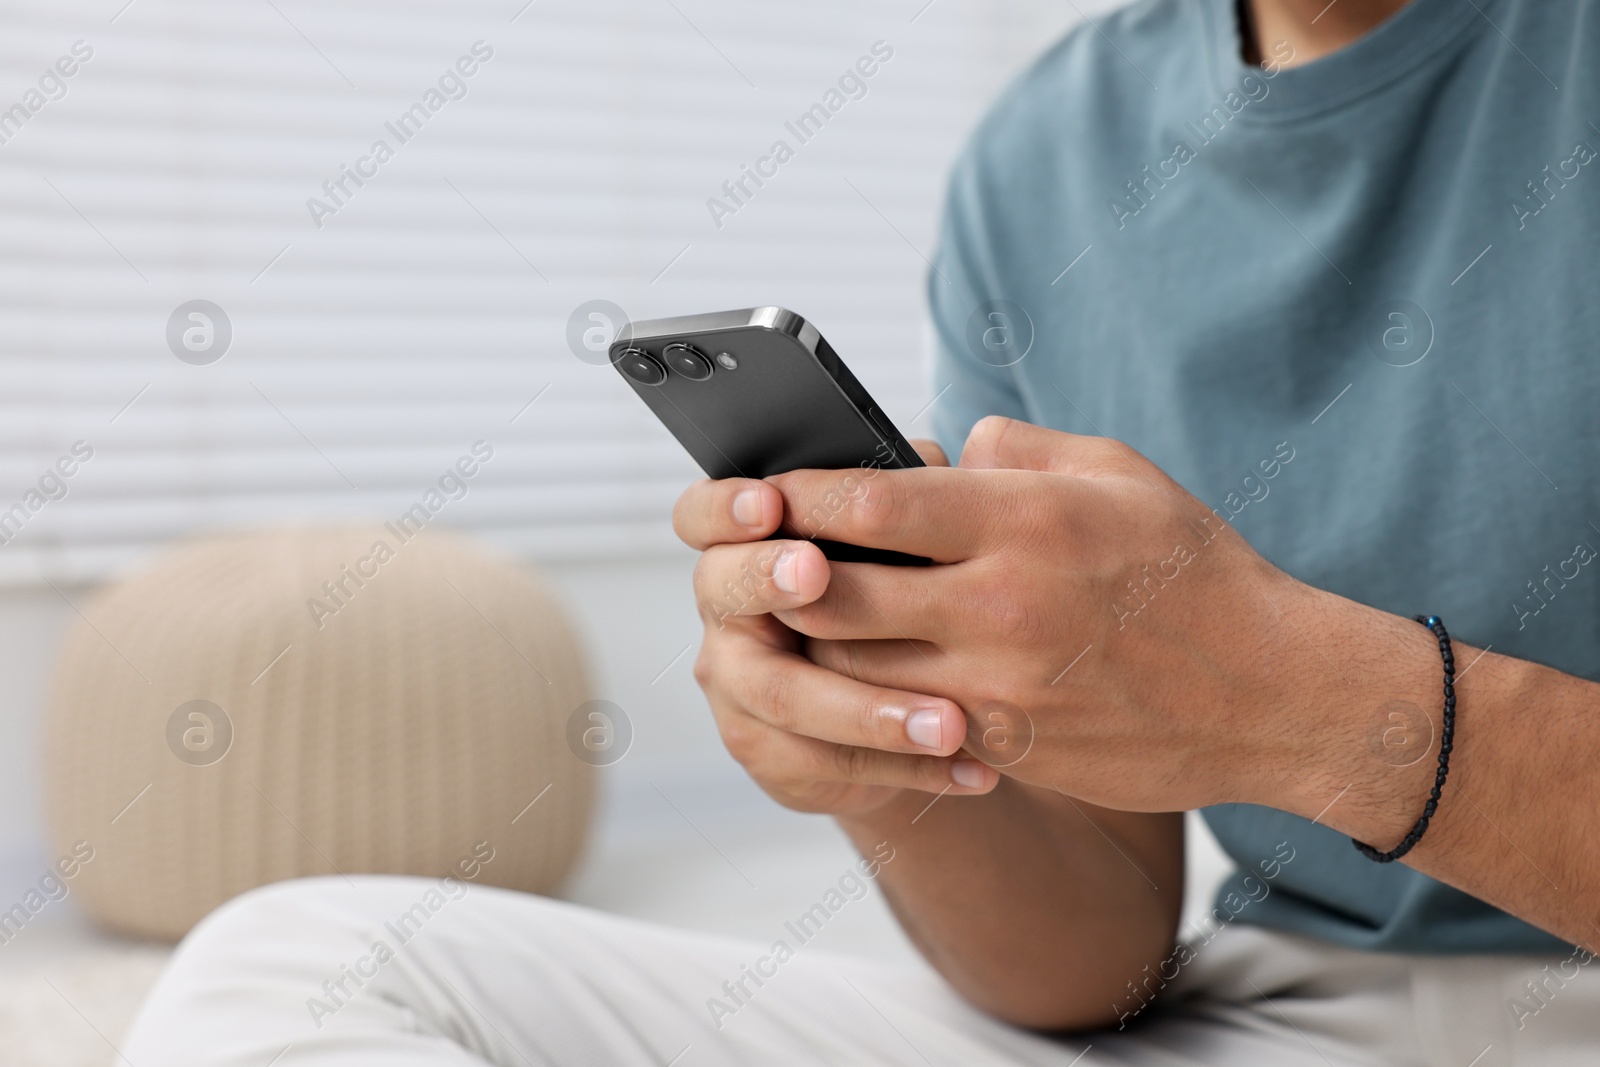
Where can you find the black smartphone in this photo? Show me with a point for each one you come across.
(759, 392)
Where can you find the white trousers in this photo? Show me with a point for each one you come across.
(399, 972)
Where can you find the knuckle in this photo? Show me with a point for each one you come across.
(931, 773)
(1023, 626)
(824, 653)
(852, 764)
(702, 575)
(858, 500)
(871, 725)
(773, 698)
(853, 659)
(742, 738)
(983, 440)
(704, 667)
(1111, 448)
(990, 429)
(840, 657)
(1014, 619)
(879, 507)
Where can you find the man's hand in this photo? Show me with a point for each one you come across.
(1105, 633)
(1108, 639)
(812, 738)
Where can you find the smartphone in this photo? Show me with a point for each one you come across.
(758, 392)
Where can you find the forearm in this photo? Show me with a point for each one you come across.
(1035, 907)
(1519, 819)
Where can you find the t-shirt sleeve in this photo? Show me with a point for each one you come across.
(966, 276)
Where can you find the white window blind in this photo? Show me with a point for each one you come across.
(382, 330)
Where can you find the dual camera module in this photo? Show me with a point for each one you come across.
(683, 358)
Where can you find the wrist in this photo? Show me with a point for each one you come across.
(1366, 740)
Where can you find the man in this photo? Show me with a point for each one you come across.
(1328, 267)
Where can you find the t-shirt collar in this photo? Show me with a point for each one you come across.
(1406, 42)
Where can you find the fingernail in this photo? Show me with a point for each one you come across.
(747, 507)
(785, 572)
(923, 728)
(968, 773)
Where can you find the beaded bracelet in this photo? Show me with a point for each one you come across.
(1446, 742)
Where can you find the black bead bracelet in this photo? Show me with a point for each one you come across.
(1446, 742)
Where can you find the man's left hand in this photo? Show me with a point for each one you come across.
(1104, 631)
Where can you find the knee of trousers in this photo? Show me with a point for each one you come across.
(300, 932)
(243, 975)
(311, 926)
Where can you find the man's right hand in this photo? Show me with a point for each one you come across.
(1082, 913)
(813, 739)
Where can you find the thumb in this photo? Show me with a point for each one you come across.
(999, 443)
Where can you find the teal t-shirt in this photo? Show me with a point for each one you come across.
(1375, 276)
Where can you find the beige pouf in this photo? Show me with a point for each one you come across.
(396, 706)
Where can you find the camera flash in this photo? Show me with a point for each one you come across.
(726, 361)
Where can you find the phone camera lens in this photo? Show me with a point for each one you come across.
(641, 366)
(687, 361)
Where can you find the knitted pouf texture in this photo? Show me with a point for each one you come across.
(299, 702)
